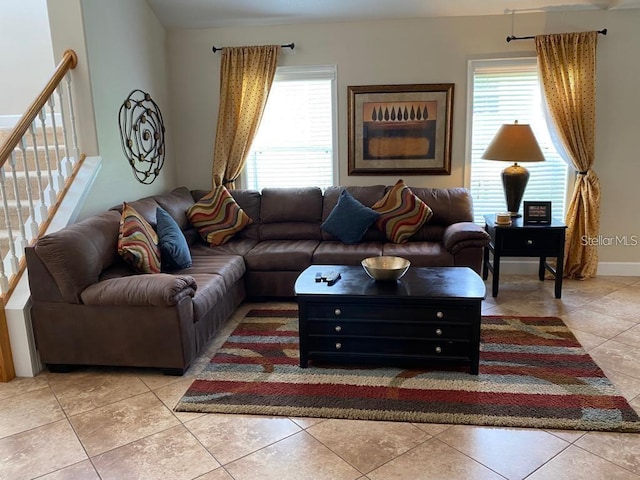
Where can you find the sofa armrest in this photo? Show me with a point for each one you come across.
(464, 235)
(157, 290)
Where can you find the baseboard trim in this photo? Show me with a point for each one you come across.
(608, 269)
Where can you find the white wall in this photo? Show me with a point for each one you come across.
(26, 54)
(424, 51)
(125, 51)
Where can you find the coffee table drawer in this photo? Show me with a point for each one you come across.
(398, 312)
(388, 346)
(435, 330)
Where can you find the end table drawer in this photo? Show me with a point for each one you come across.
(531, 241)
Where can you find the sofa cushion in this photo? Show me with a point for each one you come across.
(232, 247)
(138, 242)
(217, 216)
(211, 289)
(337, 253)
(401, 213)
(281, 255)
(162, 290)
(76, 255)
(349, 220)
(174, 251)
(291, 205)
(421, 254)
(449, 205)
(230, 267)
(176, 203)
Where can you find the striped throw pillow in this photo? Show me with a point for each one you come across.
(401, 213)
(138, 242)
(217, 216)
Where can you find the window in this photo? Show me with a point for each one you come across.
(295, 143)
(504, 91)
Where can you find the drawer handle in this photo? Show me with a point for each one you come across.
(438, 331)
(337, 311)
(440, 315)
(338, 328)
(338, 346)
(438, 350)
(529, 242)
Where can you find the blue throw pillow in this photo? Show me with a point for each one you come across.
(174, 250)
(349, 220)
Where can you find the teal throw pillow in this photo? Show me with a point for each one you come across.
(349, 220)
(174, 250)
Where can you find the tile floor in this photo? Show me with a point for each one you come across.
(119, 424)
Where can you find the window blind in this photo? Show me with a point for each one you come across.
(504, 91)
(294, 145)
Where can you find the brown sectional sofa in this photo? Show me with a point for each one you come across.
(90, 308)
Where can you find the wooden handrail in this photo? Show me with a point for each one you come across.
(68, 62)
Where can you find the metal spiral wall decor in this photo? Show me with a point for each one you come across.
(142, 135)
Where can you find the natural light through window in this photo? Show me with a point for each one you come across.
(294, 146)
(504, 91)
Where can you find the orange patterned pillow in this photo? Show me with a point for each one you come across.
(138, 242)
(217, 216)
(401, 213)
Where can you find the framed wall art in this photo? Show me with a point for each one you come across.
(537, 213)
(400, 129)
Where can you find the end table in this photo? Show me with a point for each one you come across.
(520, 240)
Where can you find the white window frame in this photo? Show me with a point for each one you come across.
(313, 72)
(499, 63)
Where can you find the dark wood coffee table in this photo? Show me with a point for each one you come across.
(430, 315)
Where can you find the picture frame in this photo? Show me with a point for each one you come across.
(400, 129)
(537, 213)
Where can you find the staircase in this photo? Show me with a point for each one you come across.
(39, 159)
(37, 176)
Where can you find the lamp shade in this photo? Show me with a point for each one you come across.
(514, 142)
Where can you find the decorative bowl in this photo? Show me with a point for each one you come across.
(386, 268)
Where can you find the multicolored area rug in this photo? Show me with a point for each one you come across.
(533, 373)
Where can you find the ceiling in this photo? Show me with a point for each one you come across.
(225, 13)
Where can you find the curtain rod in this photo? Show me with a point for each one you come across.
(512, 37)
(288, 45)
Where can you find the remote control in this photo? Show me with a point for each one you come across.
(332, 277)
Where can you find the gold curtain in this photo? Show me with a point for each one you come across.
(567, 65)
(246, 75)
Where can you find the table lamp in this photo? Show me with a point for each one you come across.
(514, 142)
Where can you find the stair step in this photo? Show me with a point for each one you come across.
(21, 178)
(42, 158)
(12, 213)
(5, 132)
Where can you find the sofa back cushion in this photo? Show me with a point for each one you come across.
(291, 214)
(76, 255)
(449, 206)
(176, 203)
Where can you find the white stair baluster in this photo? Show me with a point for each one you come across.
(32, 225)
(42, 208)
(21, 241)
(65, 166)
(72, 118)
(13, 260)
(60, 175)
(52, 194)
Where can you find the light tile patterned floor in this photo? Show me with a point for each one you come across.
(118, 423)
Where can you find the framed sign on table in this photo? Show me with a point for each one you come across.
(403, 129)
(537, 213)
